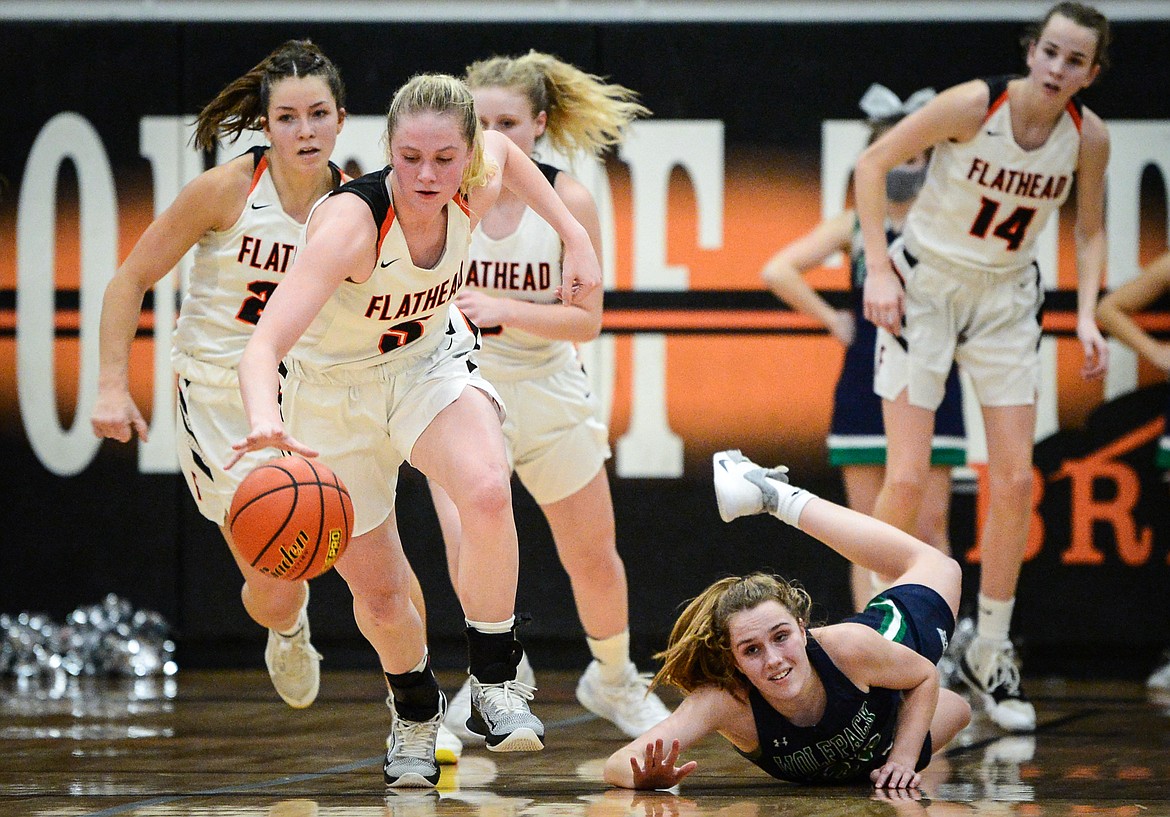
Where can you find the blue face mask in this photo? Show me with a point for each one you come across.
(903, 183)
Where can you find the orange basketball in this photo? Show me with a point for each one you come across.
(291, 518)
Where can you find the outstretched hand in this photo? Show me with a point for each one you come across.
(657, 771)
(267, 435)
(895, 775)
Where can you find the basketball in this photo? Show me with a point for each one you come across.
(291, 518)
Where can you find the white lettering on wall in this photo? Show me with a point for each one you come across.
(649, 448)
(65, 137)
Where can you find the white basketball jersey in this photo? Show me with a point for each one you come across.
(233, 274)
(400, 311)
(525, 265)
(986, 201)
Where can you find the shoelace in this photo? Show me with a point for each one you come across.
(510, 696)
(416, 738)
(1005, 674)
(287, 648)
(632, 689)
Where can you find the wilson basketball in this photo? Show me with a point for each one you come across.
(291, 518)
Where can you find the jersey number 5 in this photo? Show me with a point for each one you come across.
(1011, 229)
(400, 334)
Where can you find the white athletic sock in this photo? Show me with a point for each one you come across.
(995, 619)
(612, 654)
(790, 502)
(421, 665)
(492, 627)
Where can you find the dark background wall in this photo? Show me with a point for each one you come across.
(112, 528)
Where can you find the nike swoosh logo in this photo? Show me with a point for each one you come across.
(386, 263)
(992, 132)
(260, 206)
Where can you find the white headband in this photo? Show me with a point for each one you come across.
(879, 102)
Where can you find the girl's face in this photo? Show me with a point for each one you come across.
(508, 111)
(1061, 58)
(429, 154)
(768, 644)
(303, 121)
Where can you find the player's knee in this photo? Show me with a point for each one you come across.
(949, 571)
(1011, 483)
(489, 496)
(904, 486)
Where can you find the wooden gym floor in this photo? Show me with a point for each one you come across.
(221, 744)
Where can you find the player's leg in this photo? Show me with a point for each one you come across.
(989, 665)
(742, 487)
(862, 484)
(480, 487)
(381, 581)
(583, 529)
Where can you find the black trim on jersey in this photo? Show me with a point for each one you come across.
(371, 188)
(257, 153)
(996, 87)
(549, 172)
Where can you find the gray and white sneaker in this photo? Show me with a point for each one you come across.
(742, 488)
(500, 714)
(459, 707)
(448, 746)
(410, 753)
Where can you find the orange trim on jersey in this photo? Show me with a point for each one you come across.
(387, 223)
(994, 106)
(260, 168)
(1075, 114)
(461, 200)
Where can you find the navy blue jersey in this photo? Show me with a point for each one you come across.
(852, 739)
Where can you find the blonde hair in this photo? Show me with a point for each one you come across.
(699, 651)
(584, 111)
(243, 103)
(446, 95)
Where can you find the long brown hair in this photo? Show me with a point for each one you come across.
(1083, 15)
(243, 104)
(699, 653)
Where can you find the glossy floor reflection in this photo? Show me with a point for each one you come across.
(221, 744)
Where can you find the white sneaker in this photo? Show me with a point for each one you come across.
(629, 705)
(410, 751)
(1160, 678)
(293, 664)
(459, 708)
(994, 677)
(743, 488)
(448, 746)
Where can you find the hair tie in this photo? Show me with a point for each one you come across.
(879, 102)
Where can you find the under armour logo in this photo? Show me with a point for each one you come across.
(778, 741)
